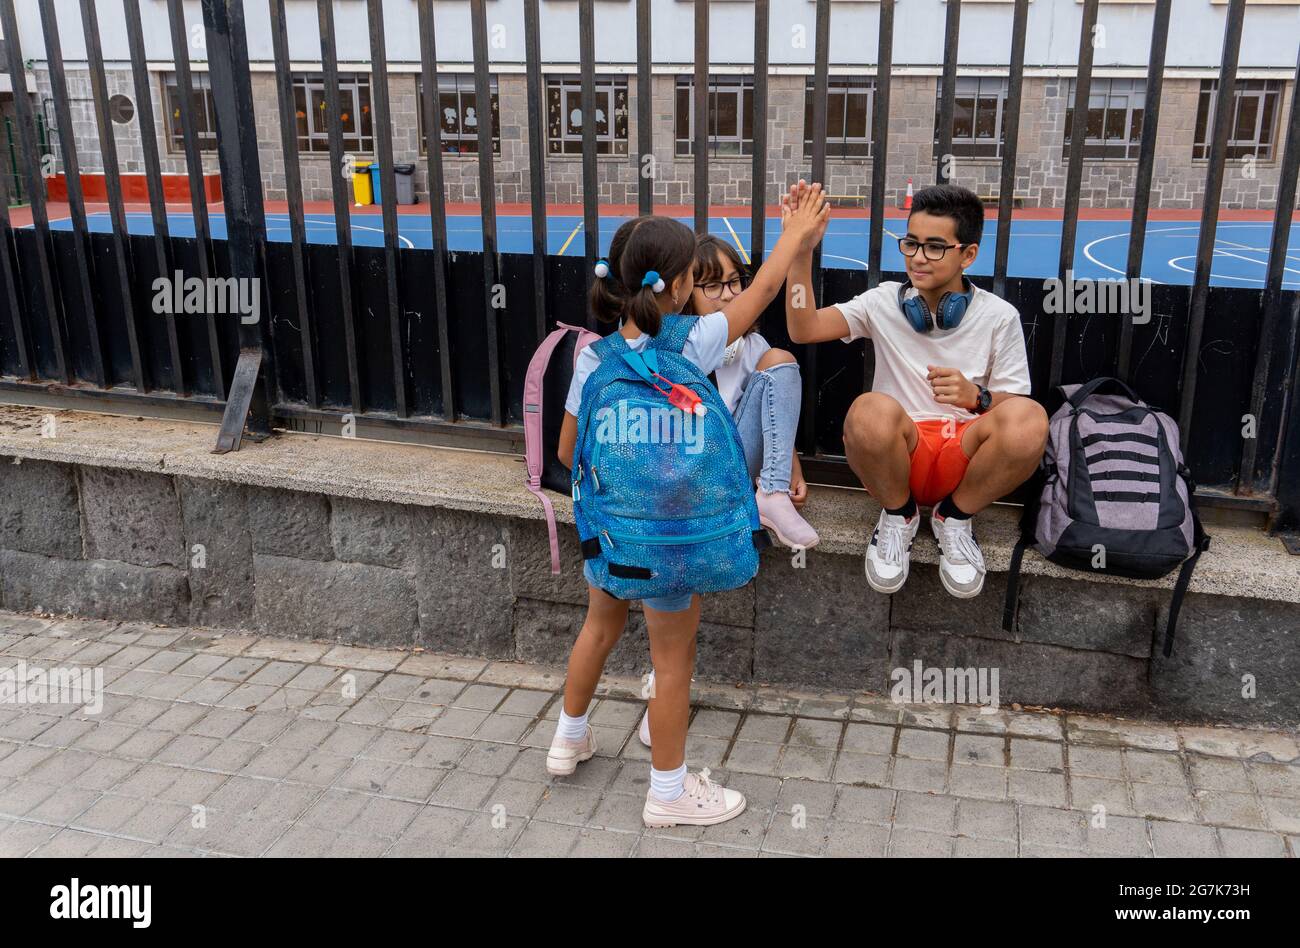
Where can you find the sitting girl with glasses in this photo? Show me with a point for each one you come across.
(762, 387)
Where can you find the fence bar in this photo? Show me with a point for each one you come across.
(153, 177)
(9, 285)
(292, 193)
(1074, 179)
(1271, 306)
(488, 201)
(1225, 102)
(590, 186)
(880, 142)
(251, 390)
(383, 131)
(645, 110)
(700, 94)
(76, 200)
(821, 83)
(947, 91)
(536, 158)
(27, 146)
(1146, 164)
(437, 200)
(339, 189)
(122, 257)
(1010, 146)
(758, 175)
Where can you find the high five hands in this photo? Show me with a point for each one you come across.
(806, 202)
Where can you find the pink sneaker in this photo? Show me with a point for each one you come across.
(702, 803)
(565, 756)
(777, 513)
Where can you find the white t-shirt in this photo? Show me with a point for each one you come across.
(734, 376)
(988, 348)
(704, 346)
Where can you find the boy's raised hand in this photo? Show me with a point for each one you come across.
(808, 217)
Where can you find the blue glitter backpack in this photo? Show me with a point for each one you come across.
(662, 497)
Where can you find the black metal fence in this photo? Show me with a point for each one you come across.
(417, 339)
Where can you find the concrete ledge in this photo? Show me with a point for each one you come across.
(1243, 561)
(413, 547)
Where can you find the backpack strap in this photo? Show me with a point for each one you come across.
(1028, 536)
(673, 332)
(533, 388)
(1200, 543)
(1088, 389)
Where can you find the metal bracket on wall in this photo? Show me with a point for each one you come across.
(242, 388)
(1291, 541)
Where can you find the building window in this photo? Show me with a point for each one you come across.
(205, 116)
(1115, 111)
(458, 114)
(849, 104)
(313, 117)
(564, 115)
(977, 114)
(731, 115)
(1254, 118)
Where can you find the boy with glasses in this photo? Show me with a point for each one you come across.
(948, 424)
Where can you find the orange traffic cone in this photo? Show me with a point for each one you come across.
(907, 201)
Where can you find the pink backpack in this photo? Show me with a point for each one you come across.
(545, 387)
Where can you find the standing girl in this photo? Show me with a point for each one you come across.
(649, 274)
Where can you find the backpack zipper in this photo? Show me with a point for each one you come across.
(678, 539)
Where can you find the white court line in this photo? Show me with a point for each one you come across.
(736, 240)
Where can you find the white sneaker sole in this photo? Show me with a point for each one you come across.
(566, 767)
(957, 591)
(658, 822)
(786, 541)
(881, 587)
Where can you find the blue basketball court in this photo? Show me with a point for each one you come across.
(1101, 248)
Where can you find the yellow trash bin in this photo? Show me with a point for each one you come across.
(361, 189)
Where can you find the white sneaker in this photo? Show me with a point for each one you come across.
(702, 803)
(961, 563)
(565, 755)
(889, 554)
(643, 731)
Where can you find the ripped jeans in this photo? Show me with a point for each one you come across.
(767, 417)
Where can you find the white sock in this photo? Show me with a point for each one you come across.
(572, 729)
(666, 785)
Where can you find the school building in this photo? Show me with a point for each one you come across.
(1116, 107)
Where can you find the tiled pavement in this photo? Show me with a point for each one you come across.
(236, 745)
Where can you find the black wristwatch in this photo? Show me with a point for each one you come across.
(984, 401)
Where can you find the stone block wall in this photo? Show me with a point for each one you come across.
(1178, 180)
(180, 550)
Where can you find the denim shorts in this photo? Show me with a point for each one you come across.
(658, 603)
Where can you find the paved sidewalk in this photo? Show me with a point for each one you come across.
(237, 745)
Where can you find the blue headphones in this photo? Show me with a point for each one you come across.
(952, 307)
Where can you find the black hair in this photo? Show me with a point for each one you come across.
(708, 250)
(640, 245)
(952, 200)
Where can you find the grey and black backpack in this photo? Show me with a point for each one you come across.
(1116, 495)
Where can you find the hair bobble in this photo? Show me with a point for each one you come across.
(653, 280)
(602, 268)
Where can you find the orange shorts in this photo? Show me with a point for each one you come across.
(938, 463)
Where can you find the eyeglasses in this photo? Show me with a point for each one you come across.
(933, 251)
(713, 291)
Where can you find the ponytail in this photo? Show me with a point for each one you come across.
(641, 245)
